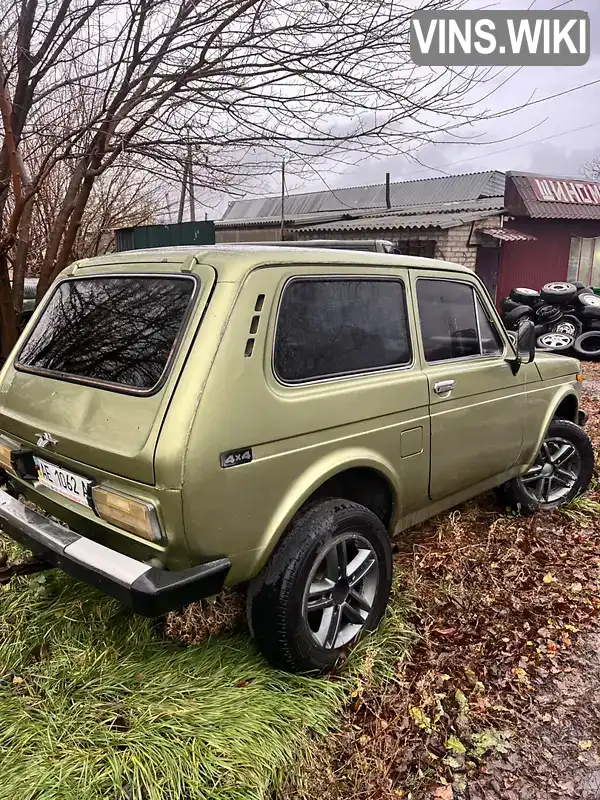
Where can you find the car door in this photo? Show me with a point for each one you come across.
(477, 403)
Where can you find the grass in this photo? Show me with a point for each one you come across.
(95, 703)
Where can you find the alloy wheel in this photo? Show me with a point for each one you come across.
(340, 591)
(555, 472)
(556, 339)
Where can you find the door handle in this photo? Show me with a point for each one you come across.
(443, 387)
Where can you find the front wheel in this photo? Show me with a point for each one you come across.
(327, 582)
(562, 470)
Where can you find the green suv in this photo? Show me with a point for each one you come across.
(272, 417)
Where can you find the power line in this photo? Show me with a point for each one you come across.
(551, 97)
(505, 149)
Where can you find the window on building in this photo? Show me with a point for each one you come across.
(423, 249)
(337, 326)
(584, 261)
(452, 318)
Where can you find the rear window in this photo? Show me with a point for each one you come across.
(115, 330)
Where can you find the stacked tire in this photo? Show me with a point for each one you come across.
(566, 317)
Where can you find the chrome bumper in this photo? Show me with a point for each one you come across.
(145, 589)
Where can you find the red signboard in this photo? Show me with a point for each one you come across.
(553, 190)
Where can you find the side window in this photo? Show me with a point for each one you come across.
(448, 321)
(491, 343)
(339, 326)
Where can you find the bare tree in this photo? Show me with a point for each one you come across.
(591, 169)
(239, 80)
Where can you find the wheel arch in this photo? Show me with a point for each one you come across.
(357, 475)
(568, 408)
(565, 405)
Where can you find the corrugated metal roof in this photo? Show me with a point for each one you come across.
(542, 209)
(450, 188)
(485, 204)
(507, 234)
(257, 222)
(398, 222)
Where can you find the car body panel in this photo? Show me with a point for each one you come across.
(477, 427)
(115, 431)
(299, 435)
(222, 396)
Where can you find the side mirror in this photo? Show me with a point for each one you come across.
(525, 344)
(526, 341)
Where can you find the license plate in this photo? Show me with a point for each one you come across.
(64, 482)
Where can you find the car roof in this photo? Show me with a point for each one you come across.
(233, 262)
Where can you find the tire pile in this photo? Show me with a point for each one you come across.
(566, 317)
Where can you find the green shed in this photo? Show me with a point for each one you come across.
(165, 235)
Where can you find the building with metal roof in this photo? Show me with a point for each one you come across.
(561, 218)
(433, 217)
(427, 191)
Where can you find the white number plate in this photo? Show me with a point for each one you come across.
(62, 481)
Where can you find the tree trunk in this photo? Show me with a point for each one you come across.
(8, 318)
(56, 234)
(68, 241)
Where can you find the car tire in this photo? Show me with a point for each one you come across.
(555, 342)
(587, 346)
(508, 305)
(548, 314)
(579, 285)
(292, 635)
(524, 296)
(568, 324)
(540, 330)
(512, 318)
(586, 313)
(558, 292)
(589, 300)
(521, 494)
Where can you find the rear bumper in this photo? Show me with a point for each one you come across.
(146, 590)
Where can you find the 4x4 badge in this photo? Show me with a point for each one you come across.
(234, 458)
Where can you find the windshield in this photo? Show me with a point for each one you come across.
(121, 331)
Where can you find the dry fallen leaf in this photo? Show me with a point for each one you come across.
(443, 793)
(585, 745)
(549, 578)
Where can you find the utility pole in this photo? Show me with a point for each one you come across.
(282, 198)
(191, 182)
(182, 194)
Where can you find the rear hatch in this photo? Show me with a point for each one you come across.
(97, 367)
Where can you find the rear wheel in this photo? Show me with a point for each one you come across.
(327, 583)
(562, 470)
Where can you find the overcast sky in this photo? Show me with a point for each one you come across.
(565, 135)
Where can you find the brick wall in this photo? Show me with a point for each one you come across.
(452, 244)
(247, 234)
